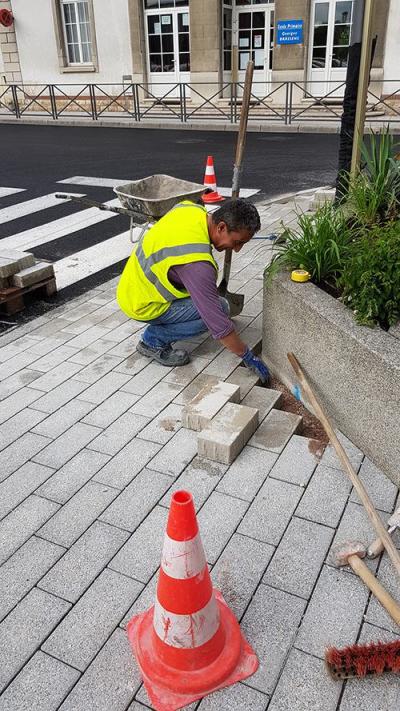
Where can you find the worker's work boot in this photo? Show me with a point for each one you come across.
(166, 355)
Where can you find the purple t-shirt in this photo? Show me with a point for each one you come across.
(199, 279)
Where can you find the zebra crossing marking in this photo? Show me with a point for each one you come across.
(28, 207)
(10, 191)
(114, 182)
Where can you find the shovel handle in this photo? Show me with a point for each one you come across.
(377, 546)
(346, 464)
(381, 594)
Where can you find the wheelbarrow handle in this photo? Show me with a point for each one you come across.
(93, 203)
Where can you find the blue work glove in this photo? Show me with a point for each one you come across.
(256, 365)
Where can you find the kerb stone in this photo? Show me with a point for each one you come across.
(199, 412)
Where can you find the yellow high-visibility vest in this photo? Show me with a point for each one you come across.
(144, 291)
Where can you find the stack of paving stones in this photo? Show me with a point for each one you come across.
(21, 269)
(92, 447)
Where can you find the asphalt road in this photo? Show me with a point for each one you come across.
(36, 157)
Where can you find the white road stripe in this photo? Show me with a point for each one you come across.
(114, 182)
(57, 228)
(10, 191)
(91, 260)
(29, 206)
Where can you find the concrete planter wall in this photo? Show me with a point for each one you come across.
(355, 370)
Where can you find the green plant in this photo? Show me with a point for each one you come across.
(371, 277)
(374, 194)
(320, 245)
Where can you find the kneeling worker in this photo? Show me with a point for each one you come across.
(170, 280)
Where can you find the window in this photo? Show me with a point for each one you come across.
(227, 37)
(75, 16)
(162, 4)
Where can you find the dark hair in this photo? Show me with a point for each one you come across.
(238, 215)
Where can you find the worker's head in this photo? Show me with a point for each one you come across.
(233, 224)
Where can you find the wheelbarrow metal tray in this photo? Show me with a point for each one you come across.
(157, 194)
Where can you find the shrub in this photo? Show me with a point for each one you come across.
(371, 277)
(320, 244)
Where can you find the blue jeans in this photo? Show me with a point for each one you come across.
(181, 321)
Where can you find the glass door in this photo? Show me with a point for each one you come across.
(329, 43)
(256, 42)
(168, 50)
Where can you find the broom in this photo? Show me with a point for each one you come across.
(363, 660)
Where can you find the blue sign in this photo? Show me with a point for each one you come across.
(290, 32)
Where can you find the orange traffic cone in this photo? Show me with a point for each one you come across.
(189, 643)
(210, 182)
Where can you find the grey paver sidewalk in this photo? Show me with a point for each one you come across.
(91, 448)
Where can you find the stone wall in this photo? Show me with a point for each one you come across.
(9, 49)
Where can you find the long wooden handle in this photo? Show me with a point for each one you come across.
(381, 594)
(377, 546)
(359, 487)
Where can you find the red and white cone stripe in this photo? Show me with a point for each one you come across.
(210, 180)
(182, 559)
(187, 631)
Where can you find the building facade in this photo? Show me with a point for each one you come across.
(204, 43)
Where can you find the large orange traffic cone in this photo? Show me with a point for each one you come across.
(210, 181)
(189, 643)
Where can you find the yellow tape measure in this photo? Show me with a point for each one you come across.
(300, 275)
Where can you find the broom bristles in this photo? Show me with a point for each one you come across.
(363, 659)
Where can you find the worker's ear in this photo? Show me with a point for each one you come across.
(222, 226)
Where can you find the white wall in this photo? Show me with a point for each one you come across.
(38, 49)
(391, 64)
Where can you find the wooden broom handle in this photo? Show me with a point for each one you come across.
(359, 487)
(386, 600)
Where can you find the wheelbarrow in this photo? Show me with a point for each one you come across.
(145, 201)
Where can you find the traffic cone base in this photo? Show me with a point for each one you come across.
(169, 688)
(210, 182)
(212, 197)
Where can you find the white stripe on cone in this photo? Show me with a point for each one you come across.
(187, 631)
(183, 559)
(209, 170)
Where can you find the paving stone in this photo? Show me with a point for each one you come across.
(176, 454)
(131, 507)
(161, 428)
(25, 628)
(103, 388)
(298, 460)
(77, 569)
(199, 412)
(21, 572)
(122, 468)
(78, 513)
(22, 522)
(184, 374)
(53, 354)
(17, 425)
(34, 689)
(156, 399)
(271, 510)
(356, 525)
(276, 430)
(58, 397)
(134, 363)
(200, 477)
(303, 684)
(20, 484)
(56, 376)
(119, 433)
(110, 682)
(17, 401)
(339, 601)
(381, 490)
(98, 368)
(330, 459)
(20, 361)
(247, 473)
(144, 381)
(73, 475)
(263, 399)
(325, 497)
(254, 306)
(103, 415)
(218, 519)
(223, 365)
(227, 433)
(15, 382)
(87, 337)
(298, 559)
(143, 601)
(61, 420)
(60, 450)
(270, 624)
(200, 381)
(245, 379)
(90, 353)
(235, 698)
(141, 555)
(239, 570)
(209, 347)
(82, 633)
(19, 452)
(381, 693)
(376, 614)
(96, 316)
